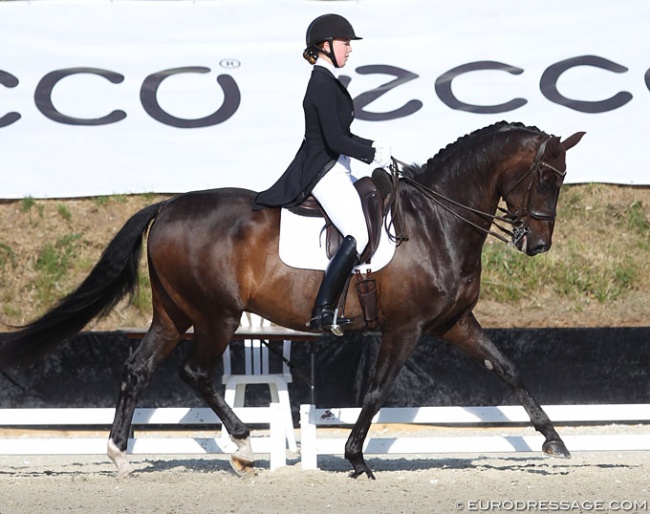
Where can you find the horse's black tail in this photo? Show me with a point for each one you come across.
(112, 278)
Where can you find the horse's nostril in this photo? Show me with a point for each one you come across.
(539, 248)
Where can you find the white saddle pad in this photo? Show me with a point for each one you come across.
(302, 245)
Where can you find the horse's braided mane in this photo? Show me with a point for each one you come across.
(466, 145)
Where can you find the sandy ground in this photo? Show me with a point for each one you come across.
(514, 482)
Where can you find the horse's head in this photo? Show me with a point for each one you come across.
(531, 193)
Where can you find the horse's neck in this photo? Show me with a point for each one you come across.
(467, 181)
(445, 226)
(468, 170)
(472, 187)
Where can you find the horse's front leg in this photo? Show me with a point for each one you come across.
(469, 336)
(393, 352)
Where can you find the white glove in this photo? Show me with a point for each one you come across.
(383, 154)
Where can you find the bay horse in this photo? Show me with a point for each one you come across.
(211, 257)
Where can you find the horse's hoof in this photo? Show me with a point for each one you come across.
(360, 471)
(243, 467)
(120, 460)
(358, 465)
(556, 448)
(124, 471)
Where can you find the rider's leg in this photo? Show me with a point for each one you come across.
(336, 275)
(339, 198)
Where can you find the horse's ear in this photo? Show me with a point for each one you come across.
(554, 147)
(573, 140)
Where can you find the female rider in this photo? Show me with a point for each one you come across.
(321, 166)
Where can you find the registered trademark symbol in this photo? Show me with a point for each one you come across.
(229, 63)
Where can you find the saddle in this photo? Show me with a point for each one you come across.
(376, 199)
(374, 194)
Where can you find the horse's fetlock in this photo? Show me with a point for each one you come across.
(352, 453)
(240, 433)
(196, 379)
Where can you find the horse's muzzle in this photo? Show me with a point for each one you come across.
(531, 245)
(537, 249)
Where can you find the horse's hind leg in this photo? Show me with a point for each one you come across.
(198, 371)
(156, 345)
(468, 335)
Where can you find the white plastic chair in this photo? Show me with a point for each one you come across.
(256, 361)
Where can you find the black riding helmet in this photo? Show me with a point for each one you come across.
(328, 27)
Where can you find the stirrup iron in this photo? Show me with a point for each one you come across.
(335, 327)
(316, 323)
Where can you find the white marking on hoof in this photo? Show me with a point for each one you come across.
(119, 459)
(243, 459)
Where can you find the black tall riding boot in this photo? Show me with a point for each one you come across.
(338, 271)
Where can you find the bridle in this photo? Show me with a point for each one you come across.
(514, 218)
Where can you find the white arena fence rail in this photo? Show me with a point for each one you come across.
(311, 418)
(49, 419)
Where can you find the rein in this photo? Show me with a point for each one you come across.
(515, 219)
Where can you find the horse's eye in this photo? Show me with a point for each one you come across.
(546, 182)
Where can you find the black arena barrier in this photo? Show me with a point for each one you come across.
(559, 365)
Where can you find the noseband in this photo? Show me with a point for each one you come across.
(516, 218)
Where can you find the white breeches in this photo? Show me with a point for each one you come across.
(339, 198)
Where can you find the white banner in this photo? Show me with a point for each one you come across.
(154, 96)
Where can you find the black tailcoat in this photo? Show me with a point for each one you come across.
(329, 112)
